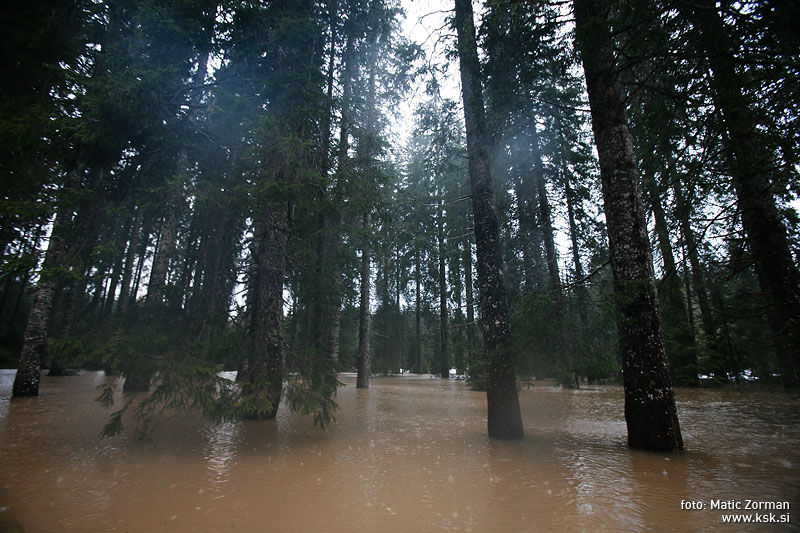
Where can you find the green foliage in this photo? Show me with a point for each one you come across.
(313, 395)
(180, 384)
(537, 338)
(186, 377)
(75, 351)
(477, 375)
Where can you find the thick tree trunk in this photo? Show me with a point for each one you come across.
(650, 410)
(263, 371)
(504, 418)
(748, 158)
(334, 326)
(364, 367)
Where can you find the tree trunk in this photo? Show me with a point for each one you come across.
(456, 293)
(532, 237)
(531, 244)
(444, 357)
(141, 253)
(748, 159)
(677, 328)
(418, 309)
(547, 230)
(166, 243)
(697, 270)
(569, 378)
(26, 382)
(263, 371)
(119, 264)
(650, 410)
(580, 288)
(504, 418)
(364, 368)
(138, 376)
(399, 328)
(330, 268)
(470, 301)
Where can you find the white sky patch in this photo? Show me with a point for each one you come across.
(426, 25)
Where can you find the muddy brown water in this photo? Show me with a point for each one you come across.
(409, 454)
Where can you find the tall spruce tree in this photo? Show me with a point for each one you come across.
(504, 418)
(650, 410)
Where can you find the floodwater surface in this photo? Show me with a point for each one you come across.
(409, 454)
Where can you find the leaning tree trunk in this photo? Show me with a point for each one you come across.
(650, 410)
(504, 418)
(26, 382)
(749, 163)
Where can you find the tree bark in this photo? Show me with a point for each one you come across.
(141, 253)
(504, 418)
(650, 410)
(263, 371)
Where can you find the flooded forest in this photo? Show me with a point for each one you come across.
(399, 265)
